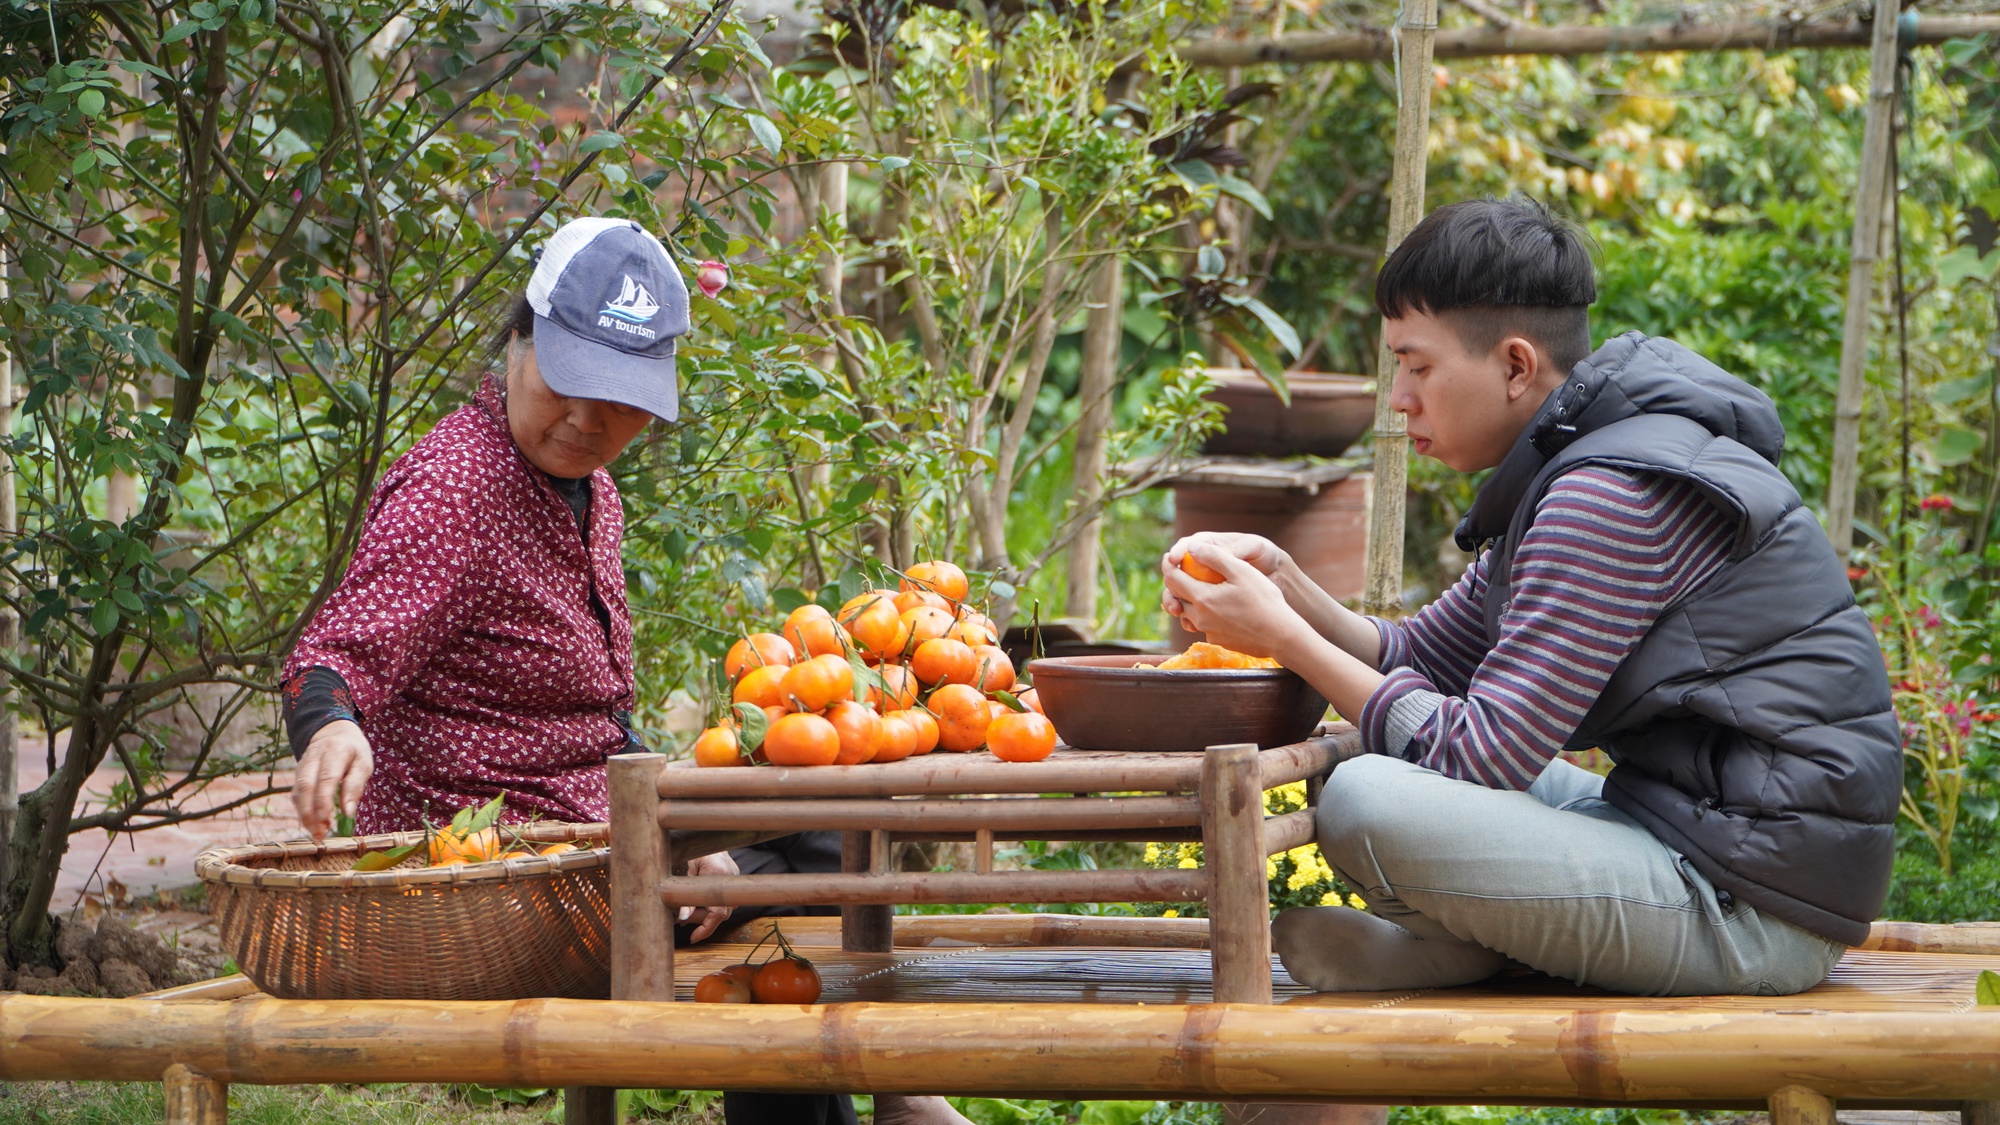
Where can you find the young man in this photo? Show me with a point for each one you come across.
(1646, 582)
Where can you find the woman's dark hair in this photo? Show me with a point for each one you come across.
(1493, 268)
(519, 321)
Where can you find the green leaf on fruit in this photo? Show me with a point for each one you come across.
(1987, 992)
(1010, 700)
(751, 727)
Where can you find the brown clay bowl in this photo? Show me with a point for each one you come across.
(1122, 702)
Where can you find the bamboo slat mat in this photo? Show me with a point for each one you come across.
(1862, 982)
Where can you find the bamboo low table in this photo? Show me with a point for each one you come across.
(1215, 796)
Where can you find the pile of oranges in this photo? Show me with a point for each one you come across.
(473, 836)
(891, 674)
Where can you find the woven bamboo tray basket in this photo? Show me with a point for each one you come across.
(304, 927)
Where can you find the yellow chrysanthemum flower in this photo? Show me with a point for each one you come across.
(1170, 912)
(1188, 861)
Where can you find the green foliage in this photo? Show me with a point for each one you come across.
(1921, 891)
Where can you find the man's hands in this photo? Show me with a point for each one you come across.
(1246, 612)
(1263, 555)
(708, 918)
(331, 775)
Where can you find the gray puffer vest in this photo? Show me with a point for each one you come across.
(1752, 729)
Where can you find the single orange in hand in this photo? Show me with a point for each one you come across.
(860, 730)
(758, 650)
(995, 671)
(1021, 736)
(813, 631)
(943, 661)
(899, 738)
(799, 739)
(963, 714)
(941, 576)
(717, 747)
(1198, 570)
(817, 683)
(927, 623)
(761, 686)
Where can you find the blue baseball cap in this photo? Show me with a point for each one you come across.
(609, 306)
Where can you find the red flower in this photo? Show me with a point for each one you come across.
(1936, 502)
(1856, 573)
(712, 277)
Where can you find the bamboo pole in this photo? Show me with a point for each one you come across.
(1800, 1105)
(1979, 1113)
(1654, 1053)
(1103, 333)
(193, 1098)
(1869, 198)
(936, 887)
(1921, 937)
(590, 1105)
(1482, 42)
(1232, 850)
(10, 622)
(1053, 814)
(1069, 771)
(1382, 591)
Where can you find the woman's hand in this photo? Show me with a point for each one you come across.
(332, 773)
(1245, 612)
(707, 919)
(1266, 557)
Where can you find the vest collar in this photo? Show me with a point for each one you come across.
(1554, 427)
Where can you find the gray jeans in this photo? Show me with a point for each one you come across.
(1556, 879)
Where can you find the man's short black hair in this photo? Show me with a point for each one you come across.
(1493, 268)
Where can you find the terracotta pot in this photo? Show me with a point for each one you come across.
(1327, 413)
(1124, 703)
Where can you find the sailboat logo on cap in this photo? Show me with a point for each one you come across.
(633, 305)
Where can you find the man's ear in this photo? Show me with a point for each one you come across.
(1523, 363)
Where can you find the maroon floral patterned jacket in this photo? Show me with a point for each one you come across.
(465, 632)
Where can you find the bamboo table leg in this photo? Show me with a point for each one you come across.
(866, 929)
(1979, 1113)
(1799, 1105)
(642, 932)
(1239, 898)
(193, 1098)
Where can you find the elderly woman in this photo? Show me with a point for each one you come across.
(479, 643)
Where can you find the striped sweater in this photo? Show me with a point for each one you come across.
(1608, 552)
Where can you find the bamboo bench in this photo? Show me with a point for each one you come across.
(1018, 1005)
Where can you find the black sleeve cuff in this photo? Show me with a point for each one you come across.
(314, 698)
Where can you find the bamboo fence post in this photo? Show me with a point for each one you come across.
(1103, 332)
(1382, 592)
(10, 624)
(1232, 846)
(1869, 197)
(864, 927)
(1800, 1105)
(193, 1098)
